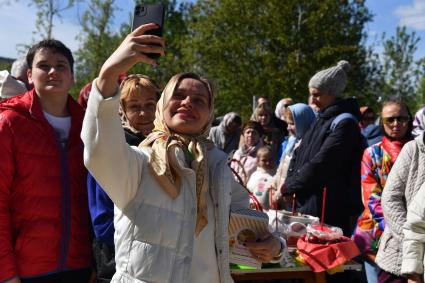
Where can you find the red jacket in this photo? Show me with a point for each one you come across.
(44, 218)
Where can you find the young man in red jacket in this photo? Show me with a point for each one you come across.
(44, 219)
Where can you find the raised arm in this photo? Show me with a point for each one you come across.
(131, 51)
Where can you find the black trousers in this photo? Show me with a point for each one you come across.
(74, 276)
(104, 257)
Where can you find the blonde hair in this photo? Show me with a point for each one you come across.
(263, 151)
(134, 83)
(263, 107)
(287, 113)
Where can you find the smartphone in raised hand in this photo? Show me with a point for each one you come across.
(145, 14)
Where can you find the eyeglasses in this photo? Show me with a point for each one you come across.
(391, 120)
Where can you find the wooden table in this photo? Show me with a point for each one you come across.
(302, 272)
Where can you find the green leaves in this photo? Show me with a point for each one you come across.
(272, 48)
(400, 72)
(252, 48)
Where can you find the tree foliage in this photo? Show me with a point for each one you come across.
(97, 39)
(252, 48)
(421, 93)
(273, 47)
(401, 73)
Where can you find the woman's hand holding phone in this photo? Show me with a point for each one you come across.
(130, 52)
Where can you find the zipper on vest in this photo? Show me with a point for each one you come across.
(65, 206)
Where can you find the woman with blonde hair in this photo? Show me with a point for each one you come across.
(138, 99)
(272, 135)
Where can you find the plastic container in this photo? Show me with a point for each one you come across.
(323, 233)
(288, 218)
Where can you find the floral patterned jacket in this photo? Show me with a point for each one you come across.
(377, 162)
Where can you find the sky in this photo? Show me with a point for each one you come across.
(18, 23)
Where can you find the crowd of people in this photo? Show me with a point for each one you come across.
(135, 184)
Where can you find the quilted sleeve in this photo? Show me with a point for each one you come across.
(414, 235)
(8, 267)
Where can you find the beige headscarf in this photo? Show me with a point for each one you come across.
(166, 162)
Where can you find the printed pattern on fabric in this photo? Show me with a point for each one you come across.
(376, 164)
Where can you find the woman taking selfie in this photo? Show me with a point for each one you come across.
(173, 197)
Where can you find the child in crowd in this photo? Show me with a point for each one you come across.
(173, 194)
(139, 95)
(244, 161)
(44, 218)
(259, 181)
(299, 118)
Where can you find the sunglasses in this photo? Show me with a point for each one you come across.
(391, 120)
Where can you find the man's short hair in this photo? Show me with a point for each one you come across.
(56, 46)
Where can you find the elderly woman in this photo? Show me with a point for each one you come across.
(227, 134)
(244, 161)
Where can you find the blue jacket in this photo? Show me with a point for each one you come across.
(372, 134)
(329, 159)
(101, 206)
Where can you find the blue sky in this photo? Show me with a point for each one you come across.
(17, 21)
(388, 14)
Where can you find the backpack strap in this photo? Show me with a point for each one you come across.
(342, 117)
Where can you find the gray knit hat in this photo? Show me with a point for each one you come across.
(332, 80)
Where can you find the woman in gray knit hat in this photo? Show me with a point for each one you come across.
(329, 155)
(328, 85)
